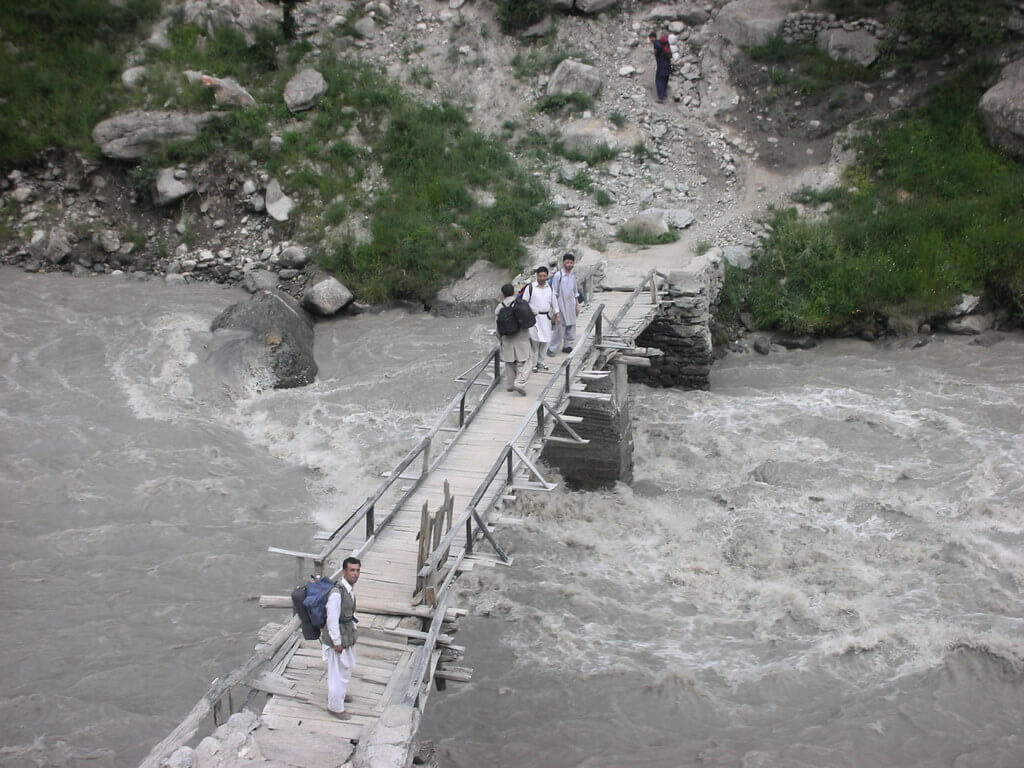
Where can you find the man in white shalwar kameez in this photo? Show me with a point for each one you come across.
(544, 303)
(338, 638)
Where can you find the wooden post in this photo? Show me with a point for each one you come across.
(423, 551)
(597, 327)
(369, 522)
(300, 571)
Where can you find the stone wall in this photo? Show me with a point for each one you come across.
(608, 457)
(803, 27)
(682, 332)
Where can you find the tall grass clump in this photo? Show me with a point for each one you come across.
(516, 15)
(933, 211)
(56, 82)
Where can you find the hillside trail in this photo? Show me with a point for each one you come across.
(712, 149)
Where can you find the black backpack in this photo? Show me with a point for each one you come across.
(508, 324)
(524, 313)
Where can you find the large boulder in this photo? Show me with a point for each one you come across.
(53, 246)
(1002, 110)
(572, 76)
(278, 336)
(278, 204)
(169, 188)
(595, 6)
(133, 135)
(646, 225)
(245, 16)
(679, 218)
(753, 22)
(326, 296)
(476, 292)
(692, 15)
(856, 45)
(586, 136)
(304, 90)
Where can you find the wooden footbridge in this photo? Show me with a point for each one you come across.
(420, 529)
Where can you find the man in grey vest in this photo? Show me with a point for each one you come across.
(563, 282)
(338, 638)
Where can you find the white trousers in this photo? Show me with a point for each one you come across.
(339, 672)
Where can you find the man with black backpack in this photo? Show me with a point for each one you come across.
(514, 319)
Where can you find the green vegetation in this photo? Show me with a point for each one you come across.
(602, 198)
(933, 211)
(596, 156)
(573, 103)
(617, 119)
(516, 15)
(641, 237)
(934, 25)
(580, 181)
(56, 80)
(806, 69)
(543, 60)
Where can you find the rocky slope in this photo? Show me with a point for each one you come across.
(715, 156)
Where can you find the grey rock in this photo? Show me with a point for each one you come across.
(679, 218)
(988, 339)
(762, 346)
(476, 292)
(228, 92)
(132, 77)
(279, 205)
(326, 296)
(304, 90)
(753, 22)
(595, 6)
(168, 188)
(966, 304)
(572, 76)
(646, 224)
(182, 757)
(276, 334)
(856, 45)
(539, 29)
(289, 273)
(738, 256)
(970, 325)
(245, 16)
(294, 256)
(109, 240)
(53, 246)
(365, 27)
(1002, 110)
(133, 135)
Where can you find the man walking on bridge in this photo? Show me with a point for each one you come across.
(544, 303)
(515, 348)
(338, 638)
(567, 298)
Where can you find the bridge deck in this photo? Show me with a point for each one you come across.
(297, 728)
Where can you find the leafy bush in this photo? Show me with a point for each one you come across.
(602, 198)
(596, 156)
(641, 237)
(516, 15)
(933, 212)
(568, 102)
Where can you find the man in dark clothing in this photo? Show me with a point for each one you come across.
(663, 63)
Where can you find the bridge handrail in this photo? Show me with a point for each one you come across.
(459, 401)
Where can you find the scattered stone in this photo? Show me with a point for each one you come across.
(678, 218)
(762, 346)
(327, 296)
(572, 76)
(738, 256)
(856, 45)
(749, 23)
(228, 92)
(257, 280)
(646, 224)
(109, 240)
(294, 256)
(365, 27)
(168, 188)
(304, 90)
(133, 135)
(133, 77)
(278, 204)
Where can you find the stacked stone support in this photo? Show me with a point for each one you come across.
(608, 457)
(681, 331)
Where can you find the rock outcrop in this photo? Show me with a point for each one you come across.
(1002, 110)
(280, 334)
(753, 22)
(133, 135)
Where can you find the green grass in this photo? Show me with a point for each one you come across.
(806, 69)
(639, 237)
(571, 103)
(544, 59)
(596, 156)
(934, 211)
(602, 198)
(580, 181)
(57, 85)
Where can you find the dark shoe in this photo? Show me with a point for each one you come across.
(568, 350)
(348, 699)
(509, 389)
(521, 391)
(541, 367)
(340, 715)
(550, 353)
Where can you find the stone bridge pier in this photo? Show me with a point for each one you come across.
(675, 351)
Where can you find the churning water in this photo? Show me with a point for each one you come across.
(819, 563)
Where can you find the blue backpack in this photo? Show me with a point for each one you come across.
(310, 604)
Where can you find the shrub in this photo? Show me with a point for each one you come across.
(602, 198)
(516, 15)
(567, 102)
(641, 237)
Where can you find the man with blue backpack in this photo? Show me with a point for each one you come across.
(338, 638)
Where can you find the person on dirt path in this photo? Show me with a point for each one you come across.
(663, 64)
